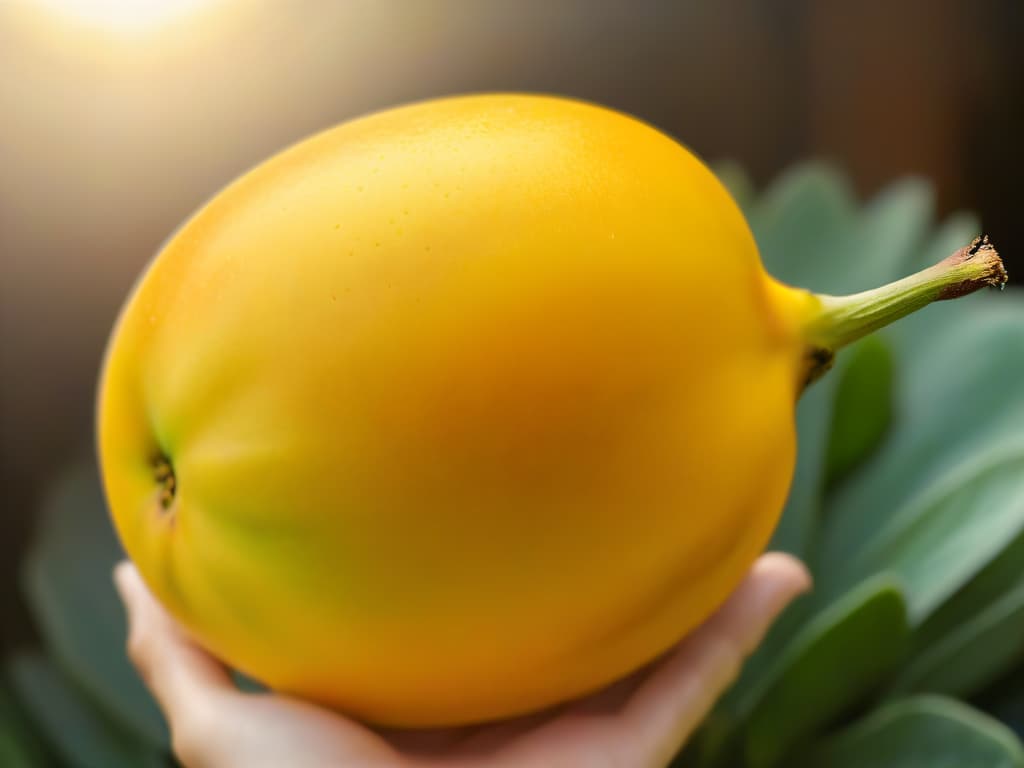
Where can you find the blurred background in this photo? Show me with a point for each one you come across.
(119, 117)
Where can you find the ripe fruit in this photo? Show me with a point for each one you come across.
(464, 408)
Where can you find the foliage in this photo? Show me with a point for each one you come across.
(908, 504)
(910, 485)
(83, 695)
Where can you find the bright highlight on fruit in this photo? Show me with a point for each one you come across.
(465, 408)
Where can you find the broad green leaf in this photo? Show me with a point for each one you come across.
(838, 250)
(863, 406)
(973, 637)
(19, 744)
(798, 526)
(14, 752)
(892, 228)
(830, 665)
(955, 232)
(921, 732)
(952, 397)
(713, 745)
(973, 655)
(797, 529)
(78, 731)
(1005, 700)
(735, 179)
(935, 546)
(68, 581)
(798, 223)
(925, 463)
(956, 448)
(888, 232)
(802, 223)
(997, 579)
(812, 234)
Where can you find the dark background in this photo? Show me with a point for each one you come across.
(113, 129)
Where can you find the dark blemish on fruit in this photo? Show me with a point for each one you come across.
(820, 361)
(163, 473)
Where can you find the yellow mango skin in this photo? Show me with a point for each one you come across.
(473, 407)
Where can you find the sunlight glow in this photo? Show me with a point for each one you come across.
(122, 16)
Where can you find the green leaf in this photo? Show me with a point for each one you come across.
(973, 655)
(933, 545)
(735, 179)
(923, 432)
(77, 730)
(1005, 700)
(921, 732)
(13, 751)
(952, 391)
(19, 744)
(975, 636)
(802, 224)
(797, 528)
(955, 232)
(67, 576)
(863, 406)
(945, 493)
(811, 234)
(892, 228)
(830, 665)
(798, 223)
(830, 251)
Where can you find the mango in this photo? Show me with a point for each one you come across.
(462, 409)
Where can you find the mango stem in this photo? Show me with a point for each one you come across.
(843, 320)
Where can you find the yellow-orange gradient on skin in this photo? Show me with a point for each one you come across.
(454, 411)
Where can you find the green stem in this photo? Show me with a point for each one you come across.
(844, 319)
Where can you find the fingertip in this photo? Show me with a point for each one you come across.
(177, 671)
(682, 688)
(783, 567)
(123, 575)
(775, 580)
(117, 573)
(784, 578)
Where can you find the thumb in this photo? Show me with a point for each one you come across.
(681, 690)
(176, 670)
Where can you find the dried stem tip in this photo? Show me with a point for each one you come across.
(979, 252)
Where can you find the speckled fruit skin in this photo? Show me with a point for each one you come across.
(472, 406)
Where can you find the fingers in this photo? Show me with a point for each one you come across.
(213, 724)
(180, 674)
(682, 689)
(655, 720)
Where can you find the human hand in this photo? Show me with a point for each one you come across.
(639, 722)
